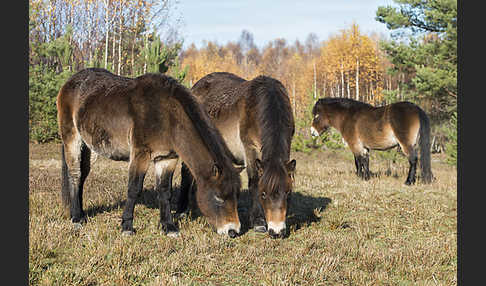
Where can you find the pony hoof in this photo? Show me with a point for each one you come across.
(128, 233)
(173, 234)
(260, 228)
(181, 215)
(169, 229)
(77, 226)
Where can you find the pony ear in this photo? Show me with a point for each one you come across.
(216, 172)
(259, 167)
(291, 166)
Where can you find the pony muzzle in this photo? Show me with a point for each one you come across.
(314, 132)
(231, 229)
(277, 229)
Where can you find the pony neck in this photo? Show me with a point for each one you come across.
(195, 154)
(336, 121)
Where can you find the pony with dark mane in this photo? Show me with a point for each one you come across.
(143, 120)
(365, 127)
(256, 121)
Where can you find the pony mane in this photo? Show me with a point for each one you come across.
(274, 113)
(345, 103)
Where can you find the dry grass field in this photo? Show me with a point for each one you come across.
(343, 231)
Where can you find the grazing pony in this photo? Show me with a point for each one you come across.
(256, 121)
(143, 120)
(364, 127)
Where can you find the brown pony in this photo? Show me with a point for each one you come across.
(364, 127)
(151, 118)
(255, 119)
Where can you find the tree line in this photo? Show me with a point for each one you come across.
(132, 37)
(348, 64)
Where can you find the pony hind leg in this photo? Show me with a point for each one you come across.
(364, 163)
(75, 169)
(139, 161)
(409, 148)
(164, 170)
(411, 153)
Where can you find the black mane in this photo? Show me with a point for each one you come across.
(277, 127)
(345, 103)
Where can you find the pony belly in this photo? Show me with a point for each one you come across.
(383, 143)
(107, 150)
(106, 146)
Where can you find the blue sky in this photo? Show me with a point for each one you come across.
(223, 21)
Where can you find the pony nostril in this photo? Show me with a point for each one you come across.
(232, 233)
(280, 234)
(272, 233)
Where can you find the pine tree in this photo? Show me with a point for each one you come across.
(424, 50)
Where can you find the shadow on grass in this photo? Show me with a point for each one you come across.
(301, 209)
(148, 197)
(300, 214)
(94, 210)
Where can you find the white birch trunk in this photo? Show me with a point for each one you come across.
(120, 40)
(342, 80)
(347, 86)
(357, 79)
(107, 27)
(315, 81)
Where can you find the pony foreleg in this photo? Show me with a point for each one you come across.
(257, 217)
(164, 169)
(366, 166)
(186, 191)
(256, 213)
(357, 163)
(362, 163)
(136, 174)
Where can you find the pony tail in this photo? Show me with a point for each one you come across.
(424, 142)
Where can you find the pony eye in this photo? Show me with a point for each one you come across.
(218, 200)
(317, 115)
(264, 195)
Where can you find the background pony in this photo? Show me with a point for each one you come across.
(364, 128)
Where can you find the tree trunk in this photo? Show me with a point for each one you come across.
(120, 39)
(146, 54)
(357, 79)
(347, 85)
(324, 89)
(398, 86)
(315, 81)
(342, 80)
(113, 43)
(107, 27)
(293, 94)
